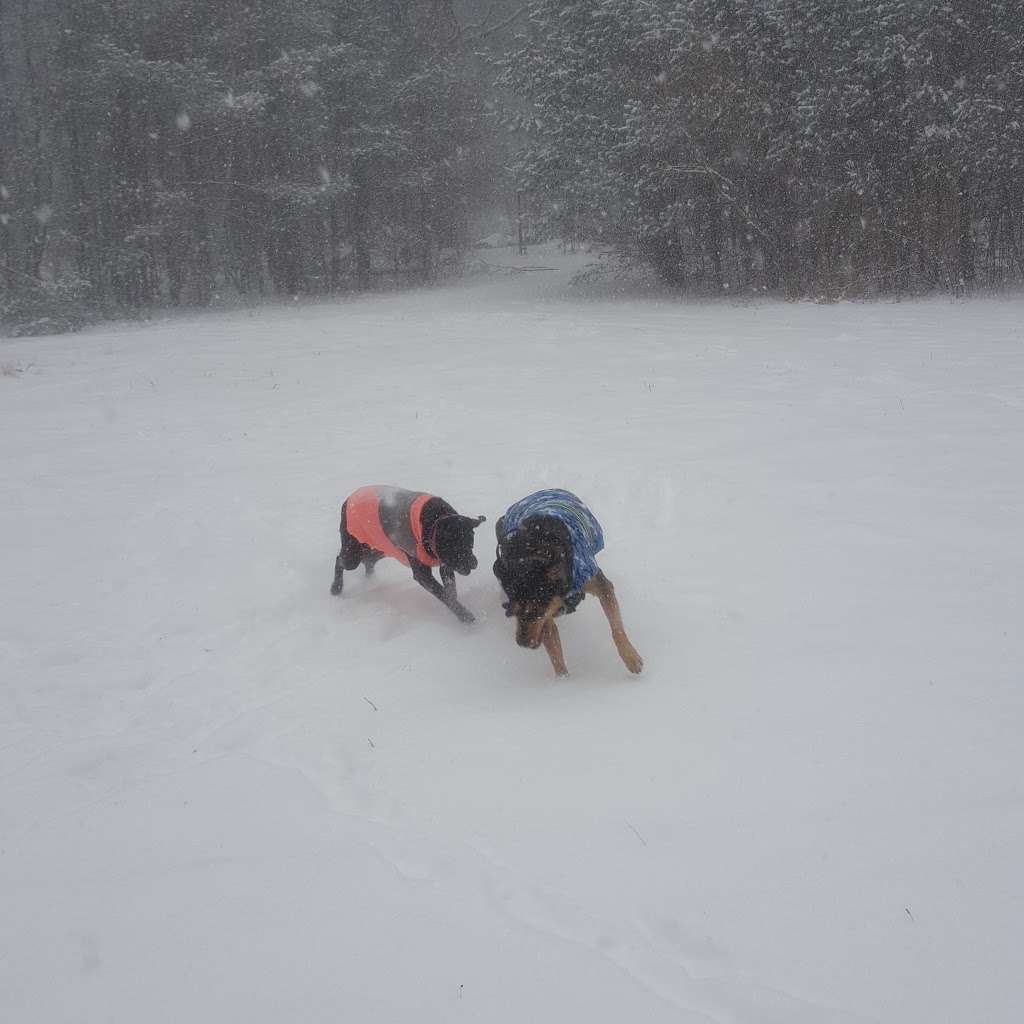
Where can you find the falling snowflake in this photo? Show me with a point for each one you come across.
(183, 121)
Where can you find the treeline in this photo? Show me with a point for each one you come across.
(824, 147)
(165, 151)
(159, 151)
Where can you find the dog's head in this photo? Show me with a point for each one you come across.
(453, 542)
(534, 571)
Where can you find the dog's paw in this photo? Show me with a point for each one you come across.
(336, 588)
(465, 615)
(633, 661)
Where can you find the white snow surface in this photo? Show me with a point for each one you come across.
(227, 796)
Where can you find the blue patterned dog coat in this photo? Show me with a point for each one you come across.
(584, 529)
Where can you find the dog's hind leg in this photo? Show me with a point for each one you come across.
(339, 572)
(370, 559)
(445, 594)
(602, 588)
(553, 645)
(349, 557)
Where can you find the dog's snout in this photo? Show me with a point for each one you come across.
(528, 635)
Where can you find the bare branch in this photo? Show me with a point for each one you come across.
(481, 29)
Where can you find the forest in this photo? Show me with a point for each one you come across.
(170, 152)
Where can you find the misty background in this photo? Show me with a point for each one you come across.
(165, 152)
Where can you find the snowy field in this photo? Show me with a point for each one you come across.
(227, 796)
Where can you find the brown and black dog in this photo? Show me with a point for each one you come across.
(420, 530)
(545, 564)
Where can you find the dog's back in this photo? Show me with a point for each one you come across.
(586, 537)
(388, 519)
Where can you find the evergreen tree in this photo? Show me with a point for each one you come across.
(164, 149)
(827, 146)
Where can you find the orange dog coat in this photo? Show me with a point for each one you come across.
(400, 533)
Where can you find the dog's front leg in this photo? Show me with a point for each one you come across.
(446, 594)
(447, 574)
(553, 645)
(451, 599)
(602, 588)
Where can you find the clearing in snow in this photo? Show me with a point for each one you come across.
(226, 795)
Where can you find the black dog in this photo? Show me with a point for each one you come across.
(547, 543)
(418, 529)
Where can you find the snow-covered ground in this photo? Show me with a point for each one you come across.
(228, 796)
